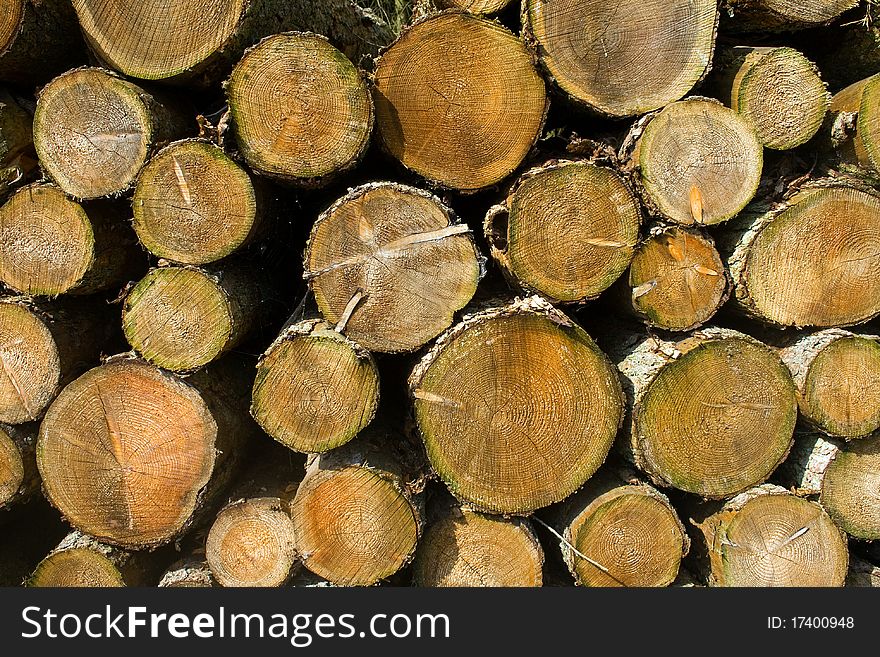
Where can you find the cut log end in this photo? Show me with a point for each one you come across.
(179, 318)
(48, 242)
(10, 22)
(783, 15)
(840, 394)
(315, 390)
(92, 132)
(628, 536)
(403, 251)
(677, 280)
(458, 101)
(775, 539)
(626, 58)
(850, 493)
(12, 468)
(699, 144)
(717, 420)
(124, 451)
(181, 35)
(472, 549)
(816, 263)
(479, 7)
(497, 403)
(300, 109)
(193, 204)
(863, 99)
(76, 567)
(353, 526)
(571, 230)
(251, 543)
(780, 93)
(30, 366)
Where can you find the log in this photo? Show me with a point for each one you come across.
(192, 46)
(357, 514)
(44, 347)
(619, 531)
(854, 52)
(19, 478)
(466, 548)
(478, 7)
(712, 414)
(81, 561)
(50, 245)
(458, 101)
(315, 389)
(129, 453)
(566, 230)
(696, 161)
(782, 15)
(777, 90)
(301, 112)
(769, 537)
(497, 401)
(623, 59)
(843, 475)
(190, 572)
(38, 40)
(809, 260)
(251, 542)
(182, 317)
(194, 205)
(17, 160)
(390, 265)
(676, 281)
(836, 374)
(855, 129)
(94, 131)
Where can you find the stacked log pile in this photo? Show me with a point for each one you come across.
(440, 293)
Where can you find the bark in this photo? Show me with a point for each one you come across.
(566, 230)
(190, 572)
(474, 410)
(94, 131)
(17, 159)
(43, 42)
